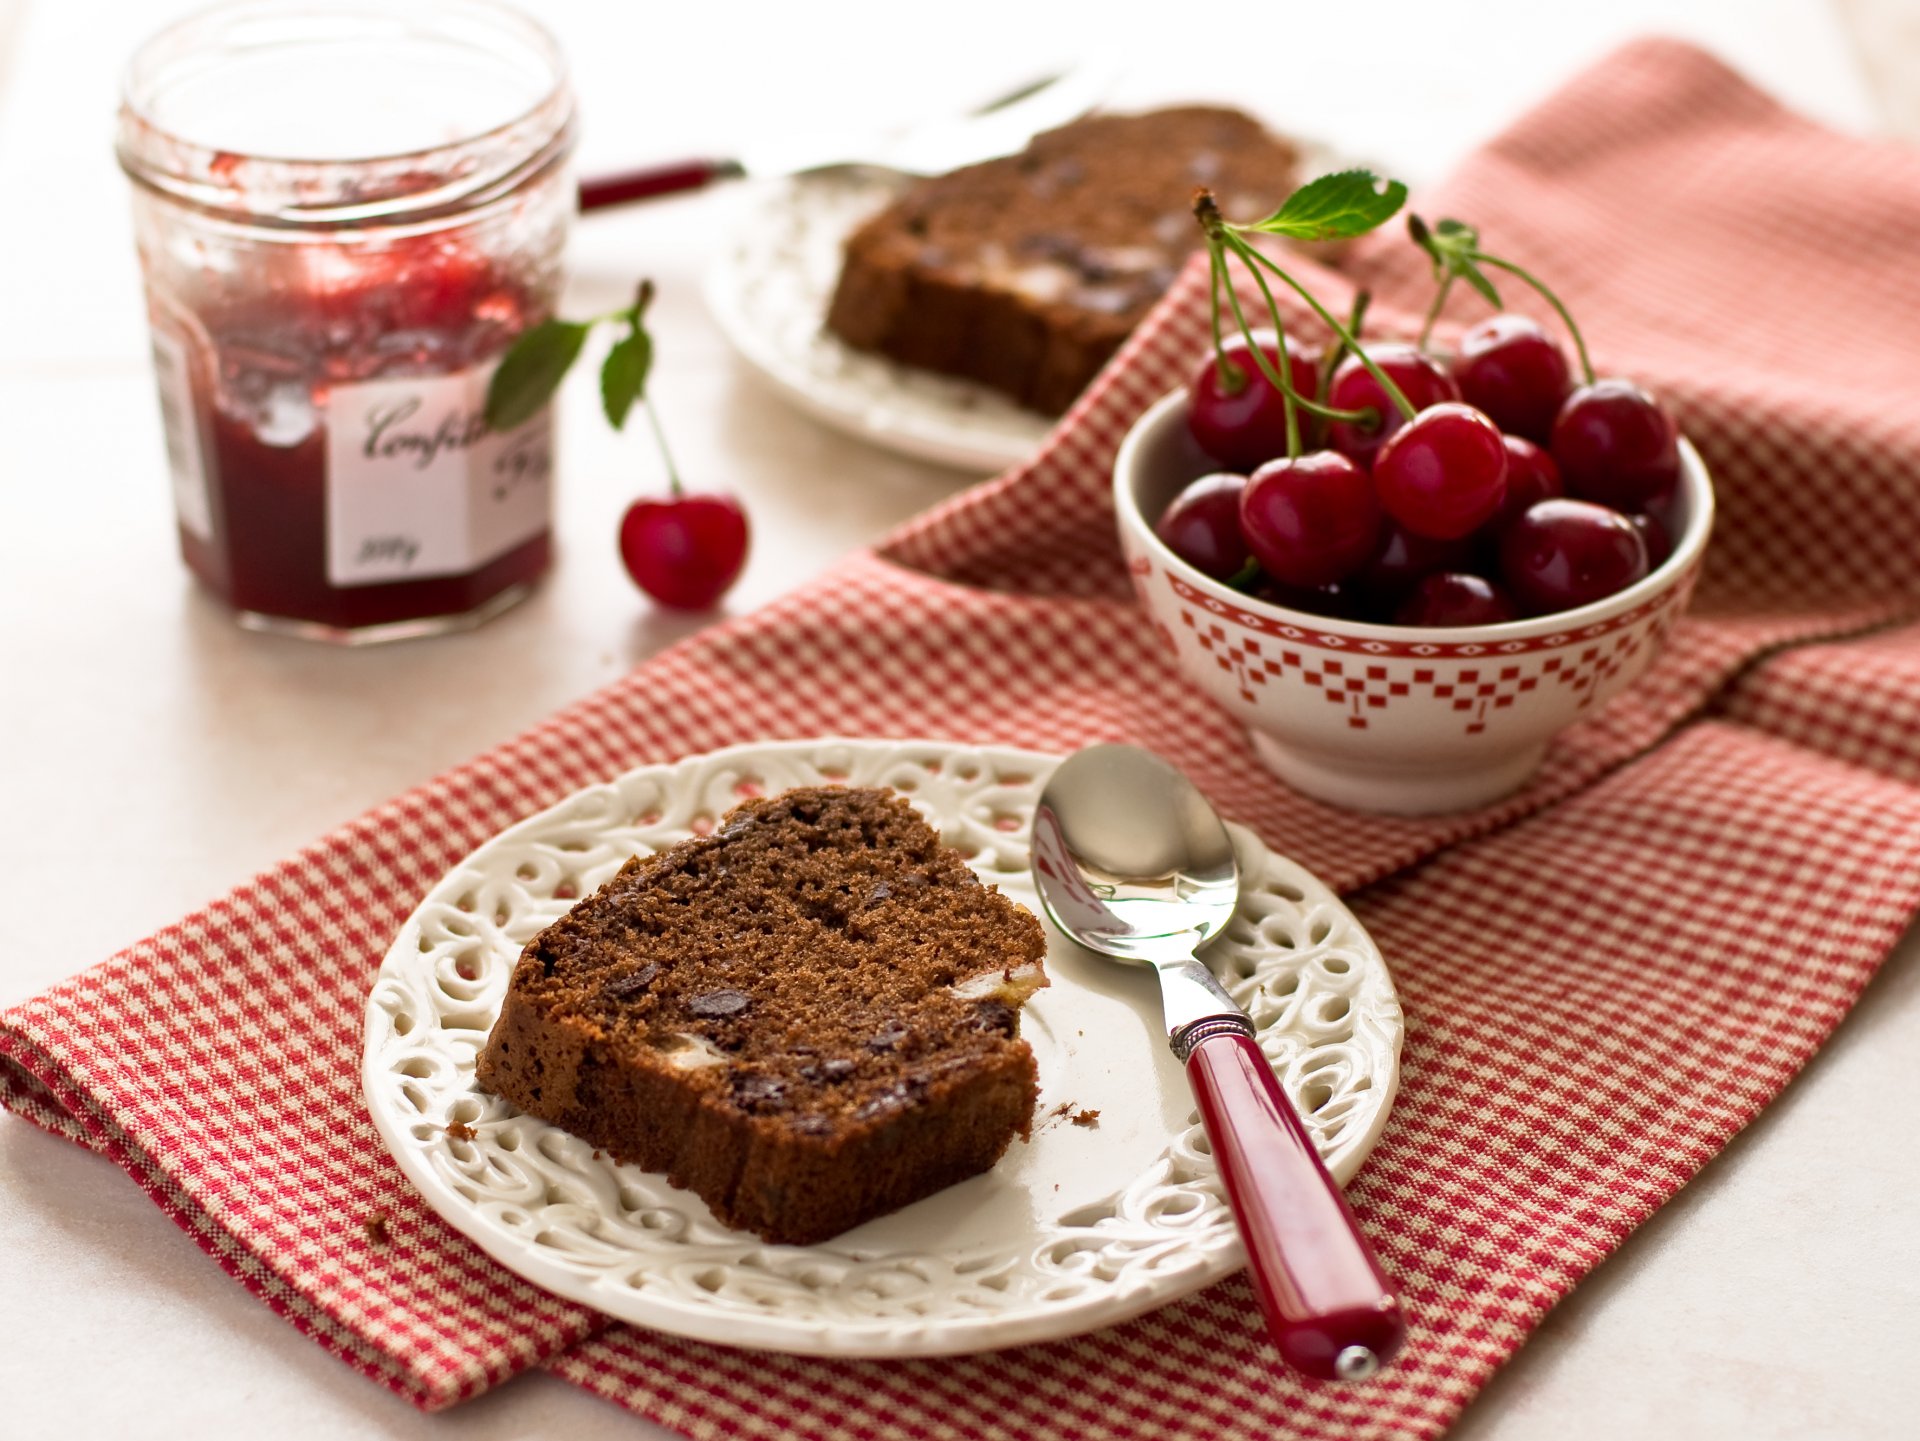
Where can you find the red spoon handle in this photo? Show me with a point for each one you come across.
(1328, 1305)
(601, 191)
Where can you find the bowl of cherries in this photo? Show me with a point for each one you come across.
(1405, 572)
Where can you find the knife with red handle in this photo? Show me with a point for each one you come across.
(598, 192)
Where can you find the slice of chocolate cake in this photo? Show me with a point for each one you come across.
(807, 1018)
(1025, 273)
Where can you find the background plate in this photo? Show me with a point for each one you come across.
(1083, 1226)
(768, 291)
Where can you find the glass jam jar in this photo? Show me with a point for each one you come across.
(346, 210)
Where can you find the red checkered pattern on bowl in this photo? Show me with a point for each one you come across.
(1758, 792)
(1368, 675)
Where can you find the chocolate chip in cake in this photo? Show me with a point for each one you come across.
(894, 1095)
(758, 1094)
(831, 1071)
(995, 1016)
(888, 1038)
(719, 1005)
(625, 988)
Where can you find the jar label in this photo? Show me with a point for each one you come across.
(417, 485)
(182, 429)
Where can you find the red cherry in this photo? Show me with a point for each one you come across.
(1419, 377)
(1567, 553)
(1510, 368)
(1531, 476)
(1654, 533)
(1404, 559)
(685, 550)
(1455, 598)
(1202, 526)
(1337, 600)
(1242, 425)
(1666, 510)
(1616, 445)
(1444, 473)
(1310, 521)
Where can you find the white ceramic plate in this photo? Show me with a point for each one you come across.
(769, 288)
(1083, 1226)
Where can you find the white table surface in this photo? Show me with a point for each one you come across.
(1775, 1297)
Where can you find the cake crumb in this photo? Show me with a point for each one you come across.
(1075, 1112)
(376, 1228)
(461, 1131)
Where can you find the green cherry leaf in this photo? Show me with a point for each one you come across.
(623, 378)
(1334, 207)
(532, 370)
(1455, 250)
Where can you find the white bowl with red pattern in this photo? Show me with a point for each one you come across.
(1403, 719)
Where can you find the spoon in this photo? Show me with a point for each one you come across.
(1131, 862)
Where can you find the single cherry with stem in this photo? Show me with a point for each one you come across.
(1234, 413)
(684, 550)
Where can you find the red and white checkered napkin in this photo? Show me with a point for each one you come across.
(1605, 977)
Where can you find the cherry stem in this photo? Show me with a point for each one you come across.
(1338, 350)
(1231, 376)
(1365, 416)
(1288, 399)
(632, 314)
(660, 439)
(1245, 578)
(1381, 378)
(1566, 319)
(1433, 311)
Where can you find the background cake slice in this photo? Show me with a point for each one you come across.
(808, 1018)
(1025, 273)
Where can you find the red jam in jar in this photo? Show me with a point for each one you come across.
(324, 328)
